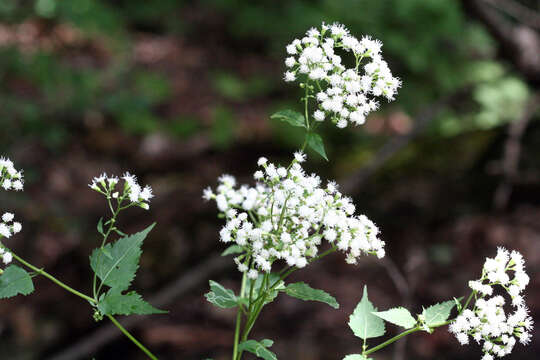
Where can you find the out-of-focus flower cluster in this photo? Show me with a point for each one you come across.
(344, 94)
(8, 227)
(131, 192)
(487, 323)
(10, 179)
(286, 216)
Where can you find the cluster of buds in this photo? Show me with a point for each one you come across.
(131, 191)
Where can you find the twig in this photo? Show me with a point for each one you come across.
(512, 153)
(520, 12)
(108, 333)
(519, 43)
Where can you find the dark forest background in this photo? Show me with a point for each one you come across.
(180, 92)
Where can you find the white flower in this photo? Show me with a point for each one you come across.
(132, 191)
(7, 258)
(208, 194)
(487, 322)
(347, 94)
(252, 274)
(290, 212)
(289, 76)
(290, 61)
(299, 156)
(4, 230)
(262, 161)
(291, 49)
(7, 217)
(17, 227)
(10, 178)
(318, 115)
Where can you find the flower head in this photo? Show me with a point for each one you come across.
(10, 178)
(286, 216)
(347, 94)
(131, 192)
(488, 323)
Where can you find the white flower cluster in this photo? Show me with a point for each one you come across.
(131, 191)
(345, 94)
(10, 178)
(286, 216)
(8, 227)
(487, 323)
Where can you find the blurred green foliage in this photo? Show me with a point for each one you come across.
(429, 43)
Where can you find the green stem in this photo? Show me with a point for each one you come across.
(53, 279)
(468, 301)
(112, 225)
(83, 296)
(130, 337)
(239, 321)
(415, 329)
(262, 297)
(306, 101)
(389, 341)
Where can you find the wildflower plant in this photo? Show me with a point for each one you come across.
(114, 263)
(284, 221)
(288, 218)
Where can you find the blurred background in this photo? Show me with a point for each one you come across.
(180, 92)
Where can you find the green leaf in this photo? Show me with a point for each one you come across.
(356, 357)
(115, 303)
(272, 279)
(119, 232)
(259, 348)
(398, 316)
(116, 264)
(292, 117)
(220, 296)
(233, 249)
(100, 226)
(437, 314)
(316, 143)
(303, 291)
(363, 323)
(15, 281)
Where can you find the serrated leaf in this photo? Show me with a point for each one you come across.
(107, 253)
(437, 314)
(117, 263)
(272, 279)
(233, 249)
(363, 323)
(292, 117)
(220, 296)
(398, 316)
(355, 357)
(316, 143)
(14, 281)
(115, 303)
(303, 291)
(259, 348)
